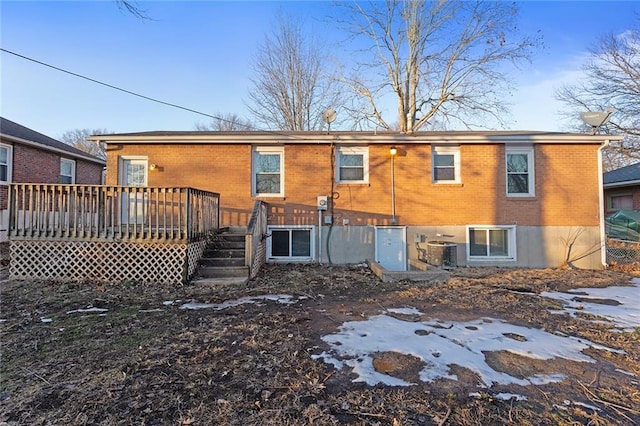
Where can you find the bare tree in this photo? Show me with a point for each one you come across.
(612, 80)
(440, 60)
(291, 86)
(131, 7)
(77, 138)
(226, 123)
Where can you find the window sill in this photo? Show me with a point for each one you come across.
(522, 198)
(490, 259)
(268, 197)
(449, 184)
(354, 183)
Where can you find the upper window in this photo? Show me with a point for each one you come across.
(353, 165)
(446, 164)
(67, 171)
(621, 202)
(5, 163)
(491, 242)
(520, 176)
(268, 171)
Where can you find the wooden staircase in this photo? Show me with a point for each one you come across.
(224, 257)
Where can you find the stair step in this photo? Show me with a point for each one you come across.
(224, 253)
(222, 261)
(227, 271)
(227, 237)
(226, 245)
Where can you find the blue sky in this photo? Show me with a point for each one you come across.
(198, 55)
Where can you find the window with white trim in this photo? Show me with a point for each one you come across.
(6, 160)
(290, 243)
(267, 171)
(620, 202)
(353, 164)
(520, 172)
(491, 243)
(445, 164)
(67, 171)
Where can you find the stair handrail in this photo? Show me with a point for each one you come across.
(255, 238)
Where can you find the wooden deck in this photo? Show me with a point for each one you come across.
(109, 233)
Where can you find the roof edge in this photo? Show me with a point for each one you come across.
(351, 137)
(621, 183)
(87, 157)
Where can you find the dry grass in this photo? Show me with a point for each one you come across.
(151, 364)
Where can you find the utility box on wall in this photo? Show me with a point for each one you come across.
(322, 202)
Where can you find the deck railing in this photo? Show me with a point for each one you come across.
(102, 212)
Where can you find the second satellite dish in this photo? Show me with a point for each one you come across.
(329, 116)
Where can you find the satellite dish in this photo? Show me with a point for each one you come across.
(329, 116)
(596, 119)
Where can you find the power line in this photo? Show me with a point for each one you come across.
(250, 127)
(111, 86)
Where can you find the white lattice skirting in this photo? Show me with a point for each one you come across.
(159, 263)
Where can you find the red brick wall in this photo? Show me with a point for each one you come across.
(566, 184)
(38, 166)
(32, 165)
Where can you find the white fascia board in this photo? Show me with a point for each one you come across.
(355, 139)
(51, 149)
(621, 184)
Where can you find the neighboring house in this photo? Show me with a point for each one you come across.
(622, 189)
(513, 199)
(27, 156)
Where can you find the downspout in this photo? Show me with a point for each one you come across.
(331, 201)
(603, 236)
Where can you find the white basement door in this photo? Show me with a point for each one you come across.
(391, 247)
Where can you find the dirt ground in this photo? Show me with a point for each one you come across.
(126, 354)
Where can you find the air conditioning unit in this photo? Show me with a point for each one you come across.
(322, 202)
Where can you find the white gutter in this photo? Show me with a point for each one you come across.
(277, 138)
(603, 236)
(51, 148)
(622, 184)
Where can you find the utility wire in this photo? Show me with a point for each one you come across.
(110, 85)
(143, 96)
(132, 93)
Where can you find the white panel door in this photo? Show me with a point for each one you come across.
(133, 172)
(391, 247)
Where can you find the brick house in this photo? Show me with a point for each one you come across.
(27, 156)
(622, 189)
(504, 198)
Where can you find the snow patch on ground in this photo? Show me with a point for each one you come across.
(441, 344)
(622, 309)
(509, 396)
(283, 299)
(88, 311)
(404, 311)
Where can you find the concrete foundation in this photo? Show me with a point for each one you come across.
(536, 246)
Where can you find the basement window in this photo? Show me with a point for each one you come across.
(491, 243)
(290, 243)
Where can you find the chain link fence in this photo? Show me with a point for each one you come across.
(621, 252)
